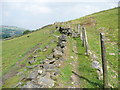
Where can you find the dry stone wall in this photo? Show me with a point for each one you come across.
(48, 70)
(45, 74)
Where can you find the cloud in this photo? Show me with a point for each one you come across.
(112, 5)
(6, 13)
(80, 9)
(45, 1)
(31, 8)
(36, 9)
(13, 0)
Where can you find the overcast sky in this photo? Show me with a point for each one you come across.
(33, 14)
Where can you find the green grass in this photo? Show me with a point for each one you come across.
(89, 77)
(66, 69)
(66, 73)
(11, 82)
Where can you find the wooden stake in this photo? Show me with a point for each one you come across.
(86, 41)
(104, 62)
(83, 37)
(81, 32)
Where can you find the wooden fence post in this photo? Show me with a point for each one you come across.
(104, 62)
(83, 37)
(81, 33)
(86, 41)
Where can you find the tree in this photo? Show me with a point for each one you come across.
(26, 32)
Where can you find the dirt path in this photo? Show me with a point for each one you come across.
(75, 81)
(63, 64)
(75, 64)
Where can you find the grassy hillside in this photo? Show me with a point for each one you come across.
(107, 22)
(17, 51)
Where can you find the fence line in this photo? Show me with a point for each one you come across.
(83, 36)
(81, 31)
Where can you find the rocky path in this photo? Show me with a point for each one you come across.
(59, 83)
(75, 64)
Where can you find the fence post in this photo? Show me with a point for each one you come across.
(83, 37)
(104, 62)
(86, 41)
(81, 33)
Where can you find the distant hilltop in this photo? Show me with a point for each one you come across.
(9, 31)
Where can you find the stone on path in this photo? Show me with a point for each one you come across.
(32, 85)
(48, 66)
(22, 77)
(50, 57)
(95, 64)
(30, 67)
(46, 82)
(46, 61)
(19, 83)
(20, 73)
(32, 75)
(44, 50)
(58, 48)
(57, 54)
(111, 53)
(39, 49)
(62, 44)
(31, 62)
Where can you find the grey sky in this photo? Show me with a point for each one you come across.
(33, 14)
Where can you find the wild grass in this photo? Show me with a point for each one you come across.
(88, 75)
(66, 69)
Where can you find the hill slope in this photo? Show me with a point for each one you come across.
(106, 22)
(17, 51)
